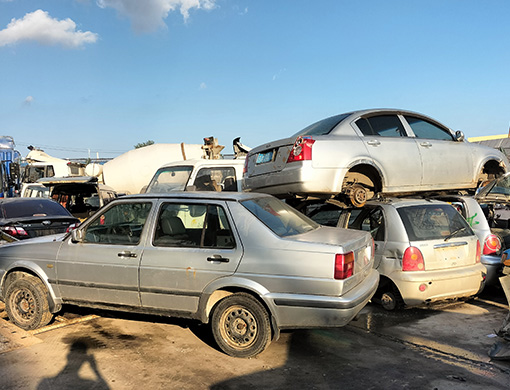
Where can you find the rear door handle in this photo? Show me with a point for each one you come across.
(126, 254)
(426, 144)
(374, 142)
(218, 258)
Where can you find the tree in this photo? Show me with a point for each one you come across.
(142, 144)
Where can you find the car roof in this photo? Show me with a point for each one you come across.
(201, 195)
(68, 180)
(404, 202)
(358, 113)
(25, 200)
(203, 161)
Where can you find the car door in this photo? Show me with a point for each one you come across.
(446, 163)
(193, 244)
(103, 267)
(371, 220)
(395, 153)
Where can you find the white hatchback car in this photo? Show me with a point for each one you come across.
(355, 155)
(425, 250)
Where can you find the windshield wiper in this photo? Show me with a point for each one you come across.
(454, 233)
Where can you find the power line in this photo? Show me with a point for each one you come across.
(67, 149)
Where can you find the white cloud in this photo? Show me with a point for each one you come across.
(38, 26)
(203, 86)
(28, 100)
(149, 15)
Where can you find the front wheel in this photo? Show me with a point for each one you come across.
(240, 326)
(26, 303)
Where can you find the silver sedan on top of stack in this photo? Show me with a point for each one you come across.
(356, 155)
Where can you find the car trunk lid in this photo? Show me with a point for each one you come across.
(271, 157)
(453, 253)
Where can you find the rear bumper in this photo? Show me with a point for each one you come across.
(314, 311)
(494, 268)
(298, 178)
(438, 285)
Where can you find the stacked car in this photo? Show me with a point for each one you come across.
(406, 163)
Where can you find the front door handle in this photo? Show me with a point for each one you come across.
(218, 258)
(426, 144)
(126, 254)
(374, 142)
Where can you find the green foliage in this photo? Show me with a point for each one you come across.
(142, 144)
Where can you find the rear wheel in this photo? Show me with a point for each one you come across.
(391, 299)
(26, 302)
(240, 326)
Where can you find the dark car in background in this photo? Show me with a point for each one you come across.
(22, 218)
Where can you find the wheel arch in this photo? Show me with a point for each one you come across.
(218, 290)
(17, 272)
(491, 166)
(368, 169)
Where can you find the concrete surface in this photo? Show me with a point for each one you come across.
(440, 348)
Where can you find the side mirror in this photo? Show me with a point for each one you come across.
(77, 235)
(459, 136)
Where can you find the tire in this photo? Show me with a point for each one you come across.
(240, 326)
(26, 303)
(392, 300)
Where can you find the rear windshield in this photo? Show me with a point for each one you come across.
(35, 208)
(324, 126)
(278, 216)
(433, 222)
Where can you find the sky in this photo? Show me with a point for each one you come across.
(82, 78)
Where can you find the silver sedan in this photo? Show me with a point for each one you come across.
(248, 264)
(355, 155)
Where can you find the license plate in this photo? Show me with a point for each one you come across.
(265, 157)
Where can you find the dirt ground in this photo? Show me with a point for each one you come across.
(441, 348)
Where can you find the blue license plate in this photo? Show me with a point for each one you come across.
(265, 157)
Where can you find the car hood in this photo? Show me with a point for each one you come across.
(349, 239)
(38, 240)
(496, 191)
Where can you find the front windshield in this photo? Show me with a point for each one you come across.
(170, 179)
(278, 216)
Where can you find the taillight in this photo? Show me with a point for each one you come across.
(413, 260)
(14, 231)
(344, 266)
(478, 252)
(71, 227)
(302, 150)
(491, 245)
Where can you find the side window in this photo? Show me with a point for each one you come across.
(121, 225)
(216, 179)
(371, 221)
(382, 126)
(326, 216)
(50, 172)
(193, 225)
(423, 129)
